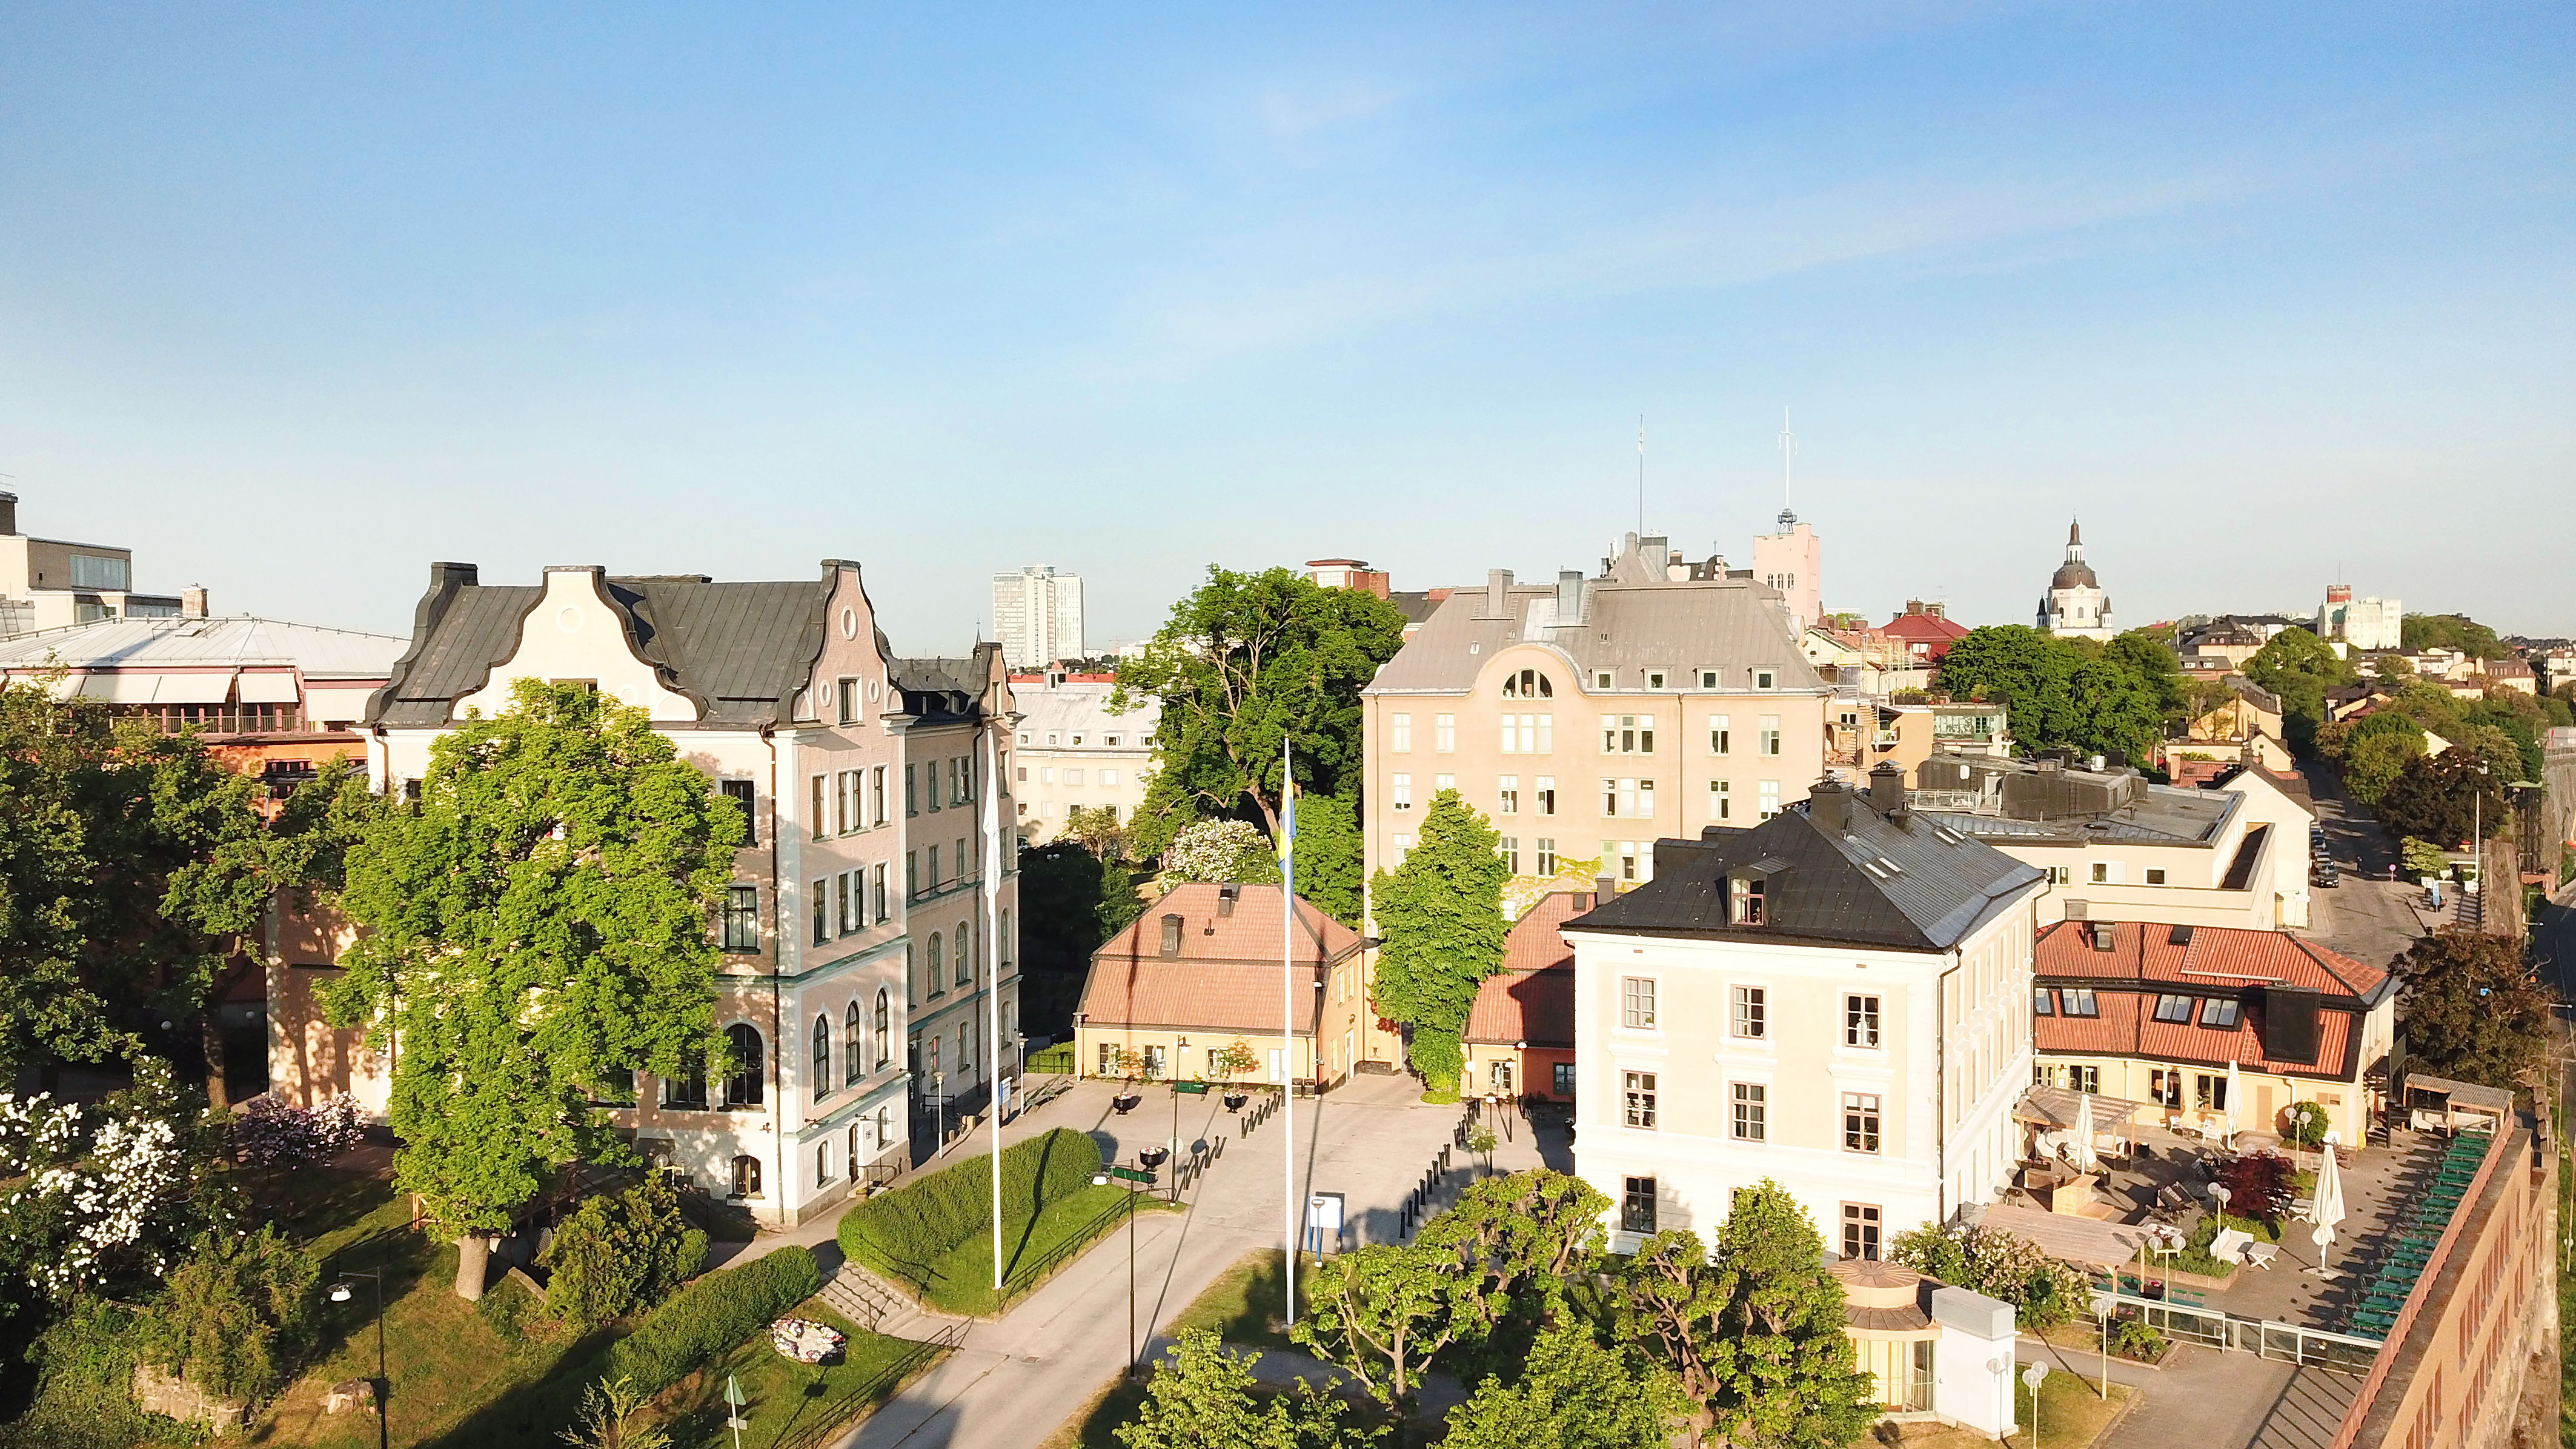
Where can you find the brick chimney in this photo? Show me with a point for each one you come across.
(1498, 589)
(8, 513)
(192, 602)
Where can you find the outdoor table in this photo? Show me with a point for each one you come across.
(804, 1340)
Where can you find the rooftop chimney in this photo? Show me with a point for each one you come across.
(1887, 789)
(1225, 899)
(1569, 596)
(1604, 889)
(1829, 804)
(1498, 588)
(8, 513)
(192, 602)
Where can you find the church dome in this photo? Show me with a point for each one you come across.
(2074, 575)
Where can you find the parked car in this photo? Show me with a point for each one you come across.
(2325, 874)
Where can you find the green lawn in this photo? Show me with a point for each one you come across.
(961, 1279)
(1242, 1305)
(2071, 1416)
(786, 1401)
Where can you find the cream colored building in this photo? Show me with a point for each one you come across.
(1837, 999)
(1074, 754)
(1591, 718)
(2233, 856)
(870, 922)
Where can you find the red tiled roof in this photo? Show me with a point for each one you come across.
(2213, 958)
(1538, 938)
(1533, 999)
(1226, 977)
(1930, 630)
(1249, 933)
(2127, 1028)
(1239, 996)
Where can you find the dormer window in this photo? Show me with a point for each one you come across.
(1654, 679)
(1601, 679)
(1744, 903)
(1708, 679)
(1171, 935)
(1764, 679)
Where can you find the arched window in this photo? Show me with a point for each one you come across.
(858, 1152)
(1528, 684)
(854, 1047)
(885, 1127)
(885, 1030)
(965, 956)
(746, 1176)
(938, 963)
(1005, 941)
(822, 1057)
(742, 1089)
(822, 1162)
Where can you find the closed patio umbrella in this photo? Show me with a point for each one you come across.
(2085, 1161)
(2327, 1208)
(2231, 1101)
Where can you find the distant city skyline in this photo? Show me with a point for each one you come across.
(294, 302)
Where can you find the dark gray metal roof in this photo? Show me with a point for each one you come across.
(1894, 883)
(742, 650)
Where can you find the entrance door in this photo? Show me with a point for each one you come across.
(1278, 1064)
(2263, 1107)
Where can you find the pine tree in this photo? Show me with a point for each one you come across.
(1440, 916)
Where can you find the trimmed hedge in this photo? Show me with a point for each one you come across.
(707, 1319)
(900, 1234)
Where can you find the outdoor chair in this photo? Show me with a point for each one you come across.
(2260, 1255)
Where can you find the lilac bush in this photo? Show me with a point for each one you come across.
(271, 1133)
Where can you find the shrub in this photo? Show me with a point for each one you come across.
(2308, 1124)
(2001, 1265)
(235, 1315)
(271, 1133)
(2258, 1186)
(85, 1384)
(901, 1233)
(2138, 1340)
(707, 1318)
(620, 1253)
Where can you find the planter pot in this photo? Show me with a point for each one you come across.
(1125, 1102)
(1234, 1101)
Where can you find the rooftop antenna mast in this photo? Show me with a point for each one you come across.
(1641, 475)
(1788, 458)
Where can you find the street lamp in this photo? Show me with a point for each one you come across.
(938, 1110)
(1135, 1350)
(341, 1292)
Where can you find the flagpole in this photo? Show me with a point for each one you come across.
(992, 894)
(1288, 1022)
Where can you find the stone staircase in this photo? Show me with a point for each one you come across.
(870, 1302)
(2310, 1410)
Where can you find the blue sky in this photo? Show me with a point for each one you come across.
(294, 301)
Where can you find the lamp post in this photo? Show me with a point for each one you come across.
(938, 1110)
(341, 1292)
(1180, 1063)
(1135, 1350)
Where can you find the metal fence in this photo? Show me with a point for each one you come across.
(2267, 1338)
(836, 1416)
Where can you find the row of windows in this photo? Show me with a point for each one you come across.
(1748, 1111)
(853, 900)
(2066, 1001)
(1621, 734)
(849, 801)
(855, 1054)
(1072, 775)
(1748, 1012)
(1629, 797)
(1047, 810)
(1055, 739)
(916, 884)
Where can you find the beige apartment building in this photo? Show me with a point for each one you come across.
(869, 926)
(1074, 754)
(1595, 716)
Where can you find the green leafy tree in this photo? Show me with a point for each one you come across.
(621, 1253)
(1071, 900)
(1202, 1397)
(1573, 1394)
(539, 922)
(2470, 1009)
(1328, 857)
(1754, 1331)
(2419, 632)
(1096, 829)
(2023, 668)
(1380, 1313)
(2112, 710)
(1440, 918)
(1510, 1245)
(2299, 667)
(2422, 857)
(1246, 662)
(2442, 798)
(132, 871)
(2149, 659)
(2372, 763)
(236, 1314)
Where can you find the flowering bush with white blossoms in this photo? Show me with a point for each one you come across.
(90, 1188)
(271, 1133)
(1221, 850)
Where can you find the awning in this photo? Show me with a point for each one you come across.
(2054, 1108)
(269, 688)
(2068, 1239)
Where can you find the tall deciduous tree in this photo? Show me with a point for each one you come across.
(1201, 1397)
(1380, 1313)
(1572, 1394)
(1754, 1331)
(1245, 662)
(2025, 669)
(2299, 667)
(131, 864)
(541, 920)
(1440, 917)
(2444, 797)
(2471, 1010)
(1328, 857)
